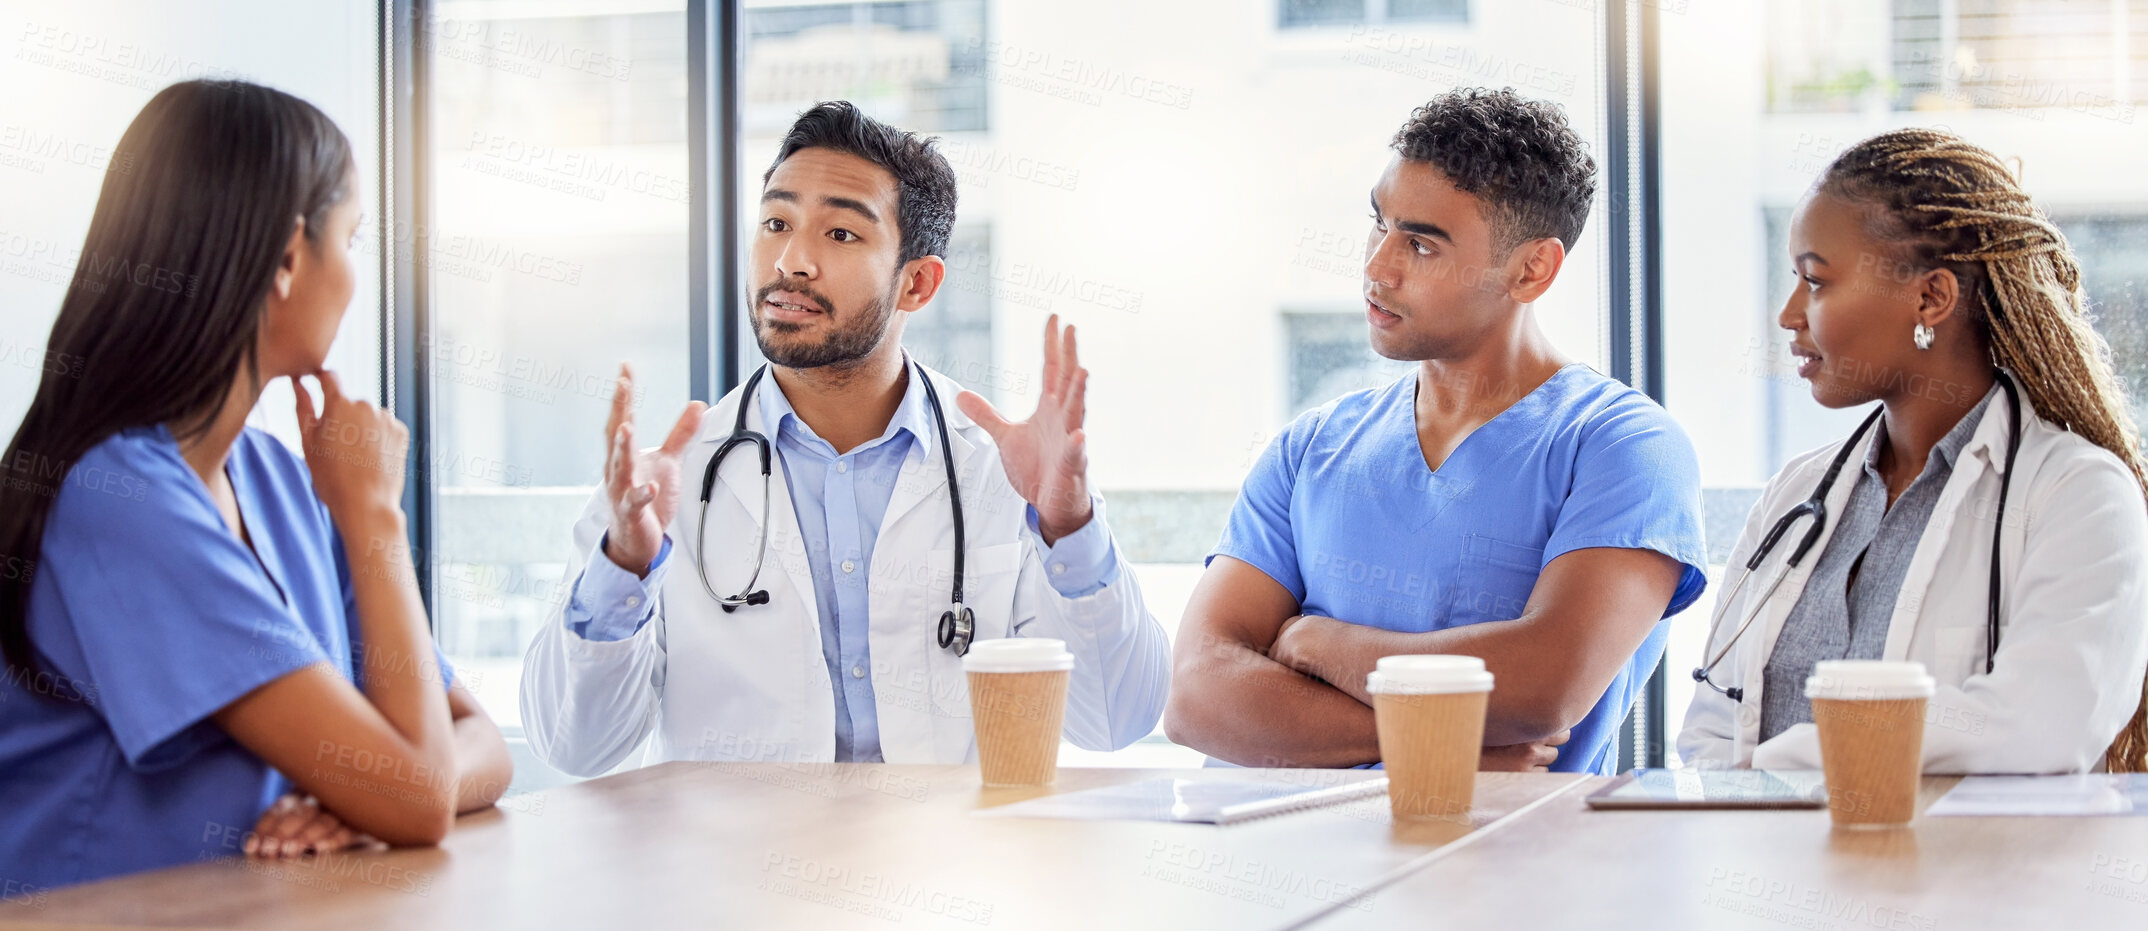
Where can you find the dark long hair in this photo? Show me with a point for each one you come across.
(207, 185)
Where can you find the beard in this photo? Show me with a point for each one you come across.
(852, 335)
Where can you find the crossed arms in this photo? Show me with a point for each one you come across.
(1258, 684)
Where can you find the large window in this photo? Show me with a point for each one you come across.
(1834, 56)
(1758, 98)
(557, 250)
(1184, 181)
(1195, 206)
(915, 60)
(81, 71)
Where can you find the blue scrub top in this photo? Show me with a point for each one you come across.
(148, 615)
(1342, 511)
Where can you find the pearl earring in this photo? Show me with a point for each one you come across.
(1922, 335)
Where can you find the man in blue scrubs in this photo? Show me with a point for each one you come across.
(1501, 501)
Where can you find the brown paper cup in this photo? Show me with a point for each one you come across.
(1872, 751)
(1430, 745)
(1018, 717)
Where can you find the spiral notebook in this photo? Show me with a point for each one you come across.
(1189, 801)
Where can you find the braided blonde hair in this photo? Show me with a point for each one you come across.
(1953, 205)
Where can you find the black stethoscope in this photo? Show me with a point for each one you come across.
(1815, 507)
(957, 624)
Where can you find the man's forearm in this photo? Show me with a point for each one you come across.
(1531, 695)
(1242, 707)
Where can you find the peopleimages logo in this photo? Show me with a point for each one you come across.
(983, 162)
(1798, 903)
(582, 173)
(518, 49)
(128, 64)
(30, 143)
(1094, 79)
(865, 892)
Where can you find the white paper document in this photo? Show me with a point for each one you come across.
(1199, 801)
(2062, 796)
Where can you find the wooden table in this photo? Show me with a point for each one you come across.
(1564, 866)
(818, 846)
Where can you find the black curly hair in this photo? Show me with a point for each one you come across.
(1517, 156)
(925, 206)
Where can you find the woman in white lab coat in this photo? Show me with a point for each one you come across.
(1927, 281)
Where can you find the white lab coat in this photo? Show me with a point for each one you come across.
(2073, 615)
(752, 685)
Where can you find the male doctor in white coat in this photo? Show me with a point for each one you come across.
(841, 660)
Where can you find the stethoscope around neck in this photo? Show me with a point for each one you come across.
(1815, 507)
(958, 625)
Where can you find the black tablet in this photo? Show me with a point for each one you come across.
(1712, 788)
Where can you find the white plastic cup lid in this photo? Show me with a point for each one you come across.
(1018, 654)
(1868, 679)
(1428, 675)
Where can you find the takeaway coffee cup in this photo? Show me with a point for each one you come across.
(1871, 719)
(1018, 697)
(1430, 714)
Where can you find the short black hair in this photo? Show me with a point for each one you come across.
(925, 203)
(1516, 155)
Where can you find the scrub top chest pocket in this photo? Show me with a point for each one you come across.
(1495, 580)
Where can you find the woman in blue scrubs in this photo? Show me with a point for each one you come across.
(213, 646)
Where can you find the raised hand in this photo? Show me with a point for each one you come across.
(642, 487)
(1046, 456)
(355, 451)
